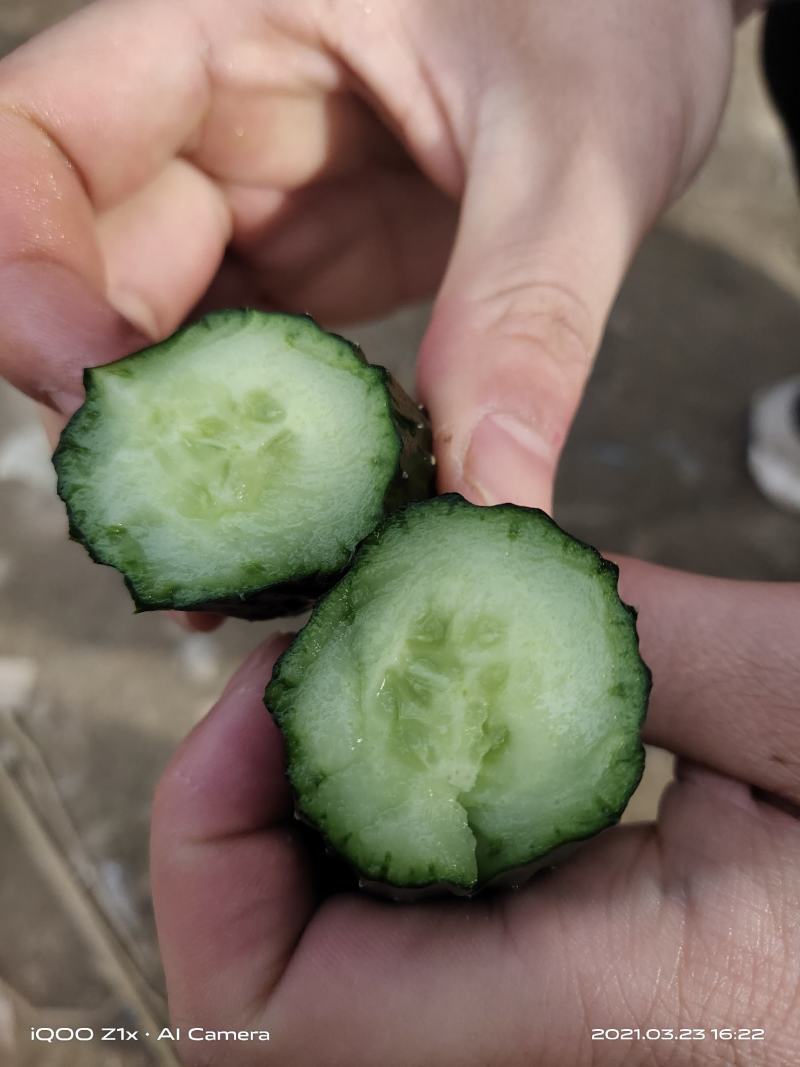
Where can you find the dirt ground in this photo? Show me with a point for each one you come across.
(94, 699)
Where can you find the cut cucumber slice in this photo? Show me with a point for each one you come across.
(236, 466)
(466, 700)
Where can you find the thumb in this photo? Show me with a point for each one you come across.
(231, 889)
(537, 262)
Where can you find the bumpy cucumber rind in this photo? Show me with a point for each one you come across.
(413, 479)
(279, 698)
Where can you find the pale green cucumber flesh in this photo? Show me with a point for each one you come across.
(247, 451)
(466, 699)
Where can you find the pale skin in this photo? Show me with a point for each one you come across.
(506, 158)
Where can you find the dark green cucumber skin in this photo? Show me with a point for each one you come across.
(275, 602)
(414, 479)
(512, 877)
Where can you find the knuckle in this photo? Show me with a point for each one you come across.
(549, 315)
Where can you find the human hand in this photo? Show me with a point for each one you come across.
(692, 922)
(315, 156)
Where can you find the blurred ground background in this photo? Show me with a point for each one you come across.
(93, 699)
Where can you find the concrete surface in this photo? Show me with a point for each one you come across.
(93, 699)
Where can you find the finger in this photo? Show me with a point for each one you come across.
(726, 674)
(162, 245)
(540, 253)
(72, 146)
(197, 621)
(230, 887)
(346, 249)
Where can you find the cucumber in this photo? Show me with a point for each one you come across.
(466, 701)
(236, 466)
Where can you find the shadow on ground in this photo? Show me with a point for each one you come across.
(655, 464)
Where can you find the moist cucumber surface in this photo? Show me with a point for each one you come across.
(467, 699)
(237, 465)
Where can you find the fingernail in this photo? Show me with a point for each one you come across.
(256, 669)
(134, 310)
(63, 401)
(244, 690)
(508, 462)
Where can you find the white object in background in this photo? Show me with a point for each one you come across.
(773, 447)
(17, 682)
(25, 457)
